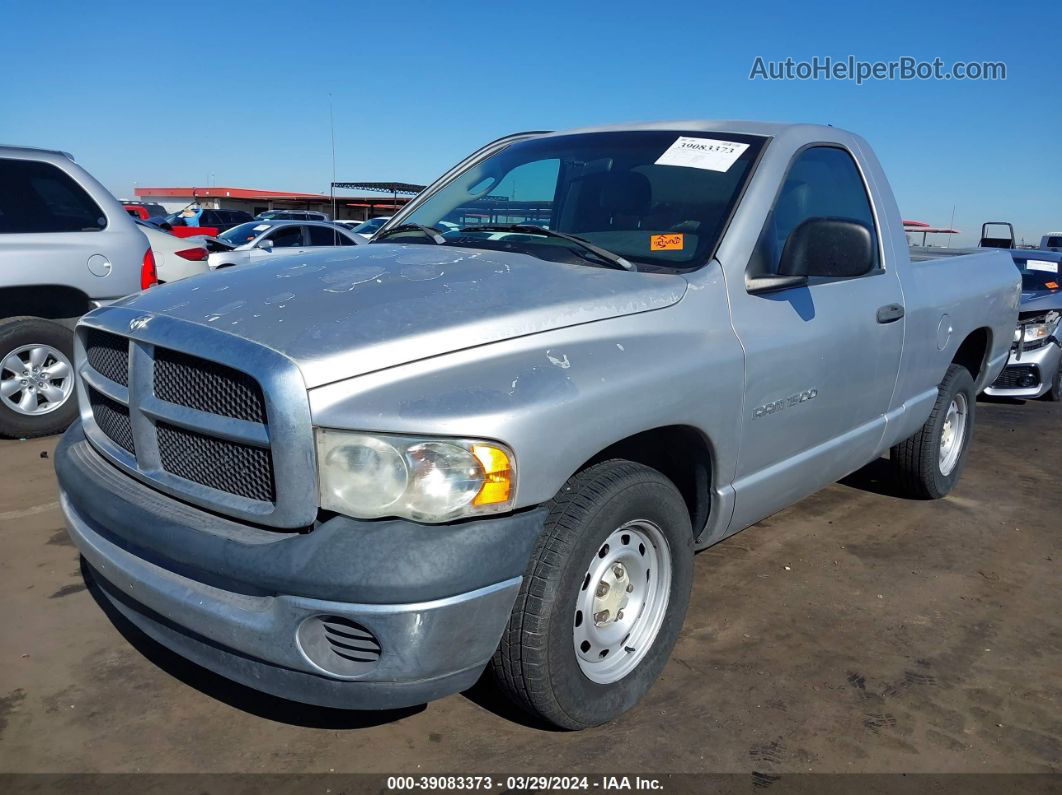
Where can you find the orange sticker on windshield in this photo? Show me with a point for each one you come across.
(665, 243)
(1051, 285)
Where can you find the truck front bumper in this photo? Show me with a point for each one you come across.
(212, 590)
(1030, 376)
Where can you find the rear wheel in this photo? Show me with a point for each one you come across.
(603, 598)
(36, 377)
(929, 462)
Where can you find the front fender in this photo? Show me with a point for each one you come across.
(558, 398)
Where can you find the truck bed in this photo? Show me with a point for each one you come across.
(924, 253)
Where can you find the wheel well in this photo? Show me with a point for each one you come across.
(973, 353)
(48, 301)
(681, 454)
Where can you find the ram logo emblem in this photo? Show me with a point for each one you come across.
(139, 323)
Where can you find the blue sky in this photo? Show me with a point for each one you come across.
(155, 95)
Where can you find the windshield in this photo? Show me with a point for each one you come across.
(370, 226)
(1037, 280)
(658, 198)
(244, 233)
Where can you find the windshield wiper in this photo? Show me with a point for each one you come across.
(614, 260)
(427, 231)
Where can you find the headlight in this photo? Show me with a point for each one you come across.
(1035, 333)
(425, 479)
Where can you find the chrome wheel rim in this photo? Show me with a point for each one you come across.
(953, 433)
(622, 601)
(35, 380)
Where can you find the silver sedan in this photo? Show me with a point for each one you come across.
(251, 242)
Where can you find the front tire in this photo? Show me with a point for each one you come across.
(929, 463)
(603, 598)
(37, 395)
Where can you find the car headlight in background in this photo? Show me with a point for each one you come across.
(1035, 333)
(425, 479)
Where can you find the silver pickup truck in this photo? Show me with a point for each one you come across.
(495, 436)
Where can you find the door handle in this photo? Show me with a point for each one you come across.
(890, 313)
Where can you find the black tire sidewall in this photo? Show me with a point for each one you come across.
(958, 380)
(1054, 394)
(16, 333)
(584, 701)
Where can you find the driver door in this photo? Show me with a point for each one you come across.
(820, 361)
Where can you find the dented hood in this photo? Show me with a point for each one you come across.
(342, 313)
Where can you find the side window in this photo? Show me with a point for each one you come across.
(38, 197)
(323, 236)
(209, 218)
(823, 182)
(287, 237)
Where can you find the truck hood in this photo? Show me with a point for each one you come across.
(343, 313)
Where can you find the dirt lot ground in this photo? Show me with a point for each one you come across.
(853, 632)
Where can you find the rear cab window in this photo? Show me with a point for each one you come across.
(37, 197)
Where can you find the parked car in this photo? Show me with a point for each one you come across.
(143, 210)
(204, 223)
(291, 215)
(1052, 242)
(369, 228)
(255, 240)
(66, 246)
(1034, 368)
(500, 444)
(175, 257)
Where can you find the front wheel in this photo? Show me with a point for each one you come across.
(929, 463)
(603, 598)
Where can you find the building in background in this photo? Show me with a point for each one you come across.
(365, 199)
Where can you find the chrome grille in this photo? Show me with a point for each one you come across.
(231, 433)
(218, 463)
(207, 386)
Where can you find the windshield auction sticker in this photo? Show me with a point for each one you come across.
(1042, 265)
(665, 243)
(706, 153)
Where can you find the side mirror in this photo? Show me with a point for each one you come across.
(837, 247)
(266, 245)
